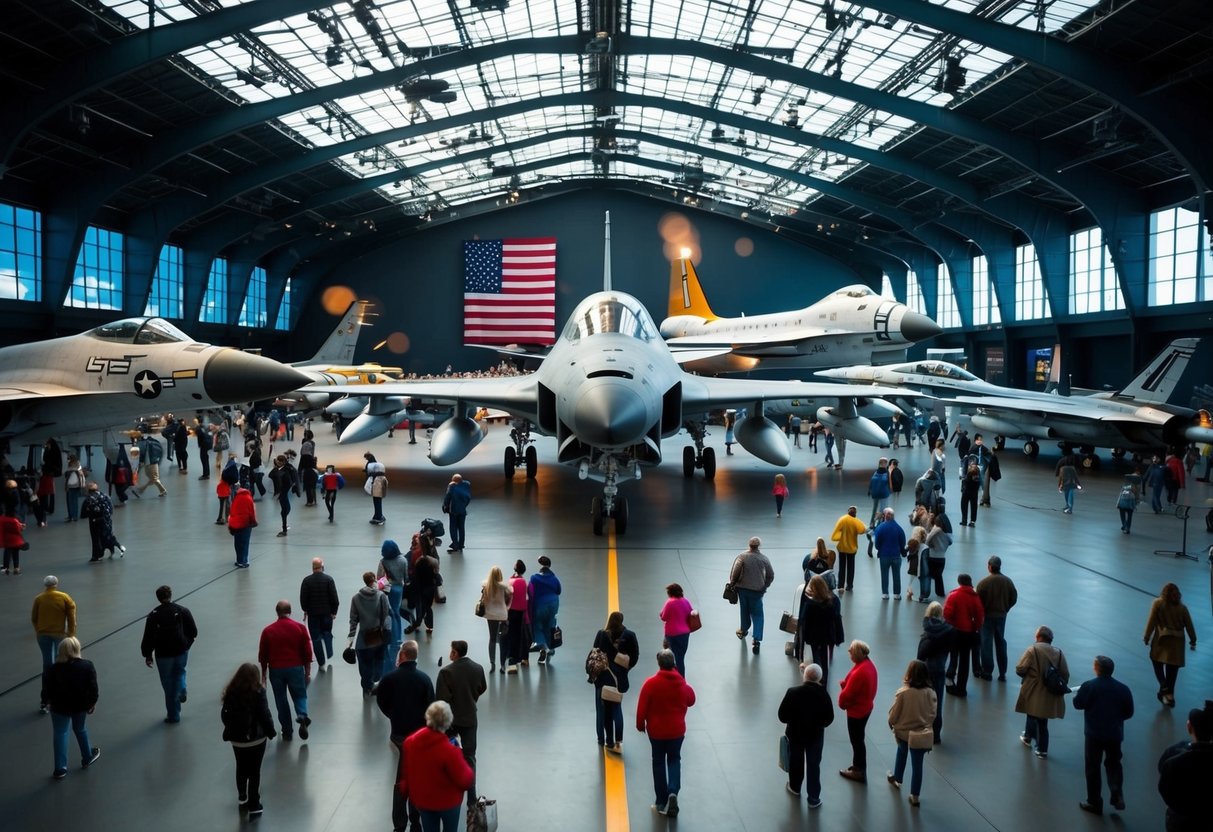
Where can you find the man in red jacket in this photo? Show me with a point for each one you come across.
(286, 652)
(963, 610)
(661, 713)
(858, 698)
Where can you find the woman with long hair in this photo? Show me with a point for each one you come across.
(913, 710)
(1165, 627)
(520, 604)
(495, 595)
(71, 692)
(676, 614)
(820, 623)
(821, 562)
(622, 651)
(247, 725)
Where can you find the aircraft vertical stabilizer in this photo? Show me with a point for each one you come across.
(686, 295)
(1163, 379)
(338, 348)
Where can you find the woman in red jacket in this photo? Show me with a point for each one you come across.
(13, 541)
(435, 777)
(241, 518)
(857, 698)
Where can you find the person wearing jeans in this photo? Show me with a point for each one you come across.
(890, 541)
(858, 698)
(241, 518)
(285, 654)
(661, 713)
(54, 618)
(71, 688)
(914, 707)
(751, 575)
(434, 776)
(676, 614)
(545, 603)
(998, 594)
(369, 632)
(319, 602)
(168, 634)
(1067, 483)
(807, 710)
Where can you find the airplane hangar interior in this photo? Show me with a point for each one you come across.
(662, 281)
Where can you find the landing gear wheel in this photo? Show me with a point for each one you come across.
(1000, 443)
(1031, 449)
(709, 464)
(511, 462)
(1090, 462)
(621, 515)
(688, 462)
(597, 515)
(532, 462)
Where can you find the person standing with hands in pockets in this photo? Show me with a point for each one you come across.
(458, 495)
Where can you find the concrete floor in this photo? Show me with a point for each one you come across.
(538, 757)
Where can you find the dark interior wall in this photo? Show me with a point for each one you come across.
(417, 282)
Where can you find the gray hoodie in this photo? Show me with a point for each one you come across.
(369, 608)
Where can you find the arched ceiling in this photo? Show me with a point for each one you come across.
(254, 125)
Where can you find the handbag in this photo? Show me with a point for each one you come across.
(372, 637)
(480, 608)
(789, 623)
(556, 639)
(922, 738)
(611, 693)
(730, 593)
(482, 816)
(622, 659)
(784, 752)
(694, 623)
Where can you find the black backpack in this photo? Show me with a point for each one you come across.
(436, 528)
(1055, 682)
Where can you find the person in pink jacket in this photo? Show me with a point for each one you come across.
(518, 618)
(858, 698)
(677, 617)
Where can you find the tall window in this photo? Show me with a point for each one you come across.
(97, 282)
(214, 303)
(946, 313)
(1029, 285)
(165, 298)
(283, 320)
(20, 253)
(886, 287)
(1093, 284)
(1177, 249)
(253, 313)
(985, 302)
(914, 293)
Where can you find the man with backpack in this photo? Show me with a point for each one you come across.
(168, 633)
(150, 454)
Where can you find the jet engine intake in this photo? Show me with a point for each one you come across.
(764, 439)
(454, 439)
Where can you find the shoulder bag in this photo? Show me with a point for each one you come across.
(694, 623)
(730, 591)
(479, 610)
(611, 693)
(789, 623)
(922, 738)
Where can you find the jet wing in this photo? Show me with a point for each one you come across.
(1071, 406)
(38, 390)
(514, 394)
(788, 342)
(705, 393)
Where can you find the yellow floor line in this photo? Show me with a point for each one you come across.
(615, 772)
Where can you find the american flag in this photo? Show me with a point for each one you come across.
(509, 291)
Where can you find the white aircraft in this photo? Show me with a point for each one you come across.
(1145, 415)
(609, 391)
(849, 326)
(76, 388)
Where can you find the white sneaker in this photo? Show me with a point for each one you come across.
(885, 598)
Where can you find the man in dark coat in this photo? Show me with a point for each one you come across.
(1107, 704)
(181, 444)
(806, 709)
(402, 696)
(205, 443)
(319, 602)
(1185, 771)
(168, 634)
(455, 503)
(460, 684)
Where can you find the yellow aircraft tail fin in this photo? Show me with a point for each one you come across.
(686, 295)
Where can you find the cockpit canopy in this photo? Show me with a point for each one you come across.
(856, 291)
(939, 369)
(603, 312)
(140, 331)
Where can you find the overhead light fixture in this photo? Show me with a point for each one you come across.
(953, 79)
(249, 78)
(333, 55)
(758, 91)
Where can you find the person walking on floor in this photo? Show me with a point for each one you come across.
(376, 486)
(807, 711)
(964, 612)
(169, 632)
(970, 491)
(181, 445)
(394, 568)
(998, 595)
(846, 534)
(455, 504)
(661, 713)
(285, 481)
(150, 455)
(751, 574)
(461, 683)
(241, 521)
(422, 589)
(1126, 504)
(1184, 772)
(319, 603)
(248, 726)
(54, 619)
(370, 631)
(1155, 480)
(403, 697)
(285, 654)
(1106, 704)
(435, 776)
(676, 614)
(1036, 701)
(879, 491)
(780, 492)
(934, 647)
(71, 689)
(911, 715)
(331, 483)
(622, 651)
(545, 603)
(1068, 484)
(13, 540)
(858, 698)
(819, 623)
(1166, 624)
(990, 475)
(495, 595)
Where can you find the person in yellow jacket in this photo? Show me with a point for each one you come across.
(54, 619)
(846, 534)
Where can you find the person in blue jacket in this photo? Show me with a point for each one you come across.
(458, 495)
(545, 603)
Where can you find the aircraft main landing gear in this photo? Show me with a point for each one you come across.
(1030, 449)
(522, 452)
(699, 456)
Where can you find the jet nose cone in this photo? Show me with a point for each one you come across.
(610, 415)
(916, 326)
(234, 377)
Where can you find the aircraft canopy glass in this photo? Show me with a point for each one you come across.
(141, 331)
(941, 369)
(856, 291)
(610, 313)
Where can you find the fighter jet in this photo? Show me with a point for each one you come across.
(77, 387)
(610, 391)
(1145, 415)
(848, 326)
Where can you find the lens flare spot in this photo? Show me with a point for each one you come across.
(398, 343)
(337, 299)
(744, 247)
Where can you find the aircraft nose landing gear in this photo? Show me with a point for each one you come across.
(522, 452)
(699, 456)
(610, 504)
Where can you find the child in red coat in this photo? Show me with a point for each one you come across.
(14, 542)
